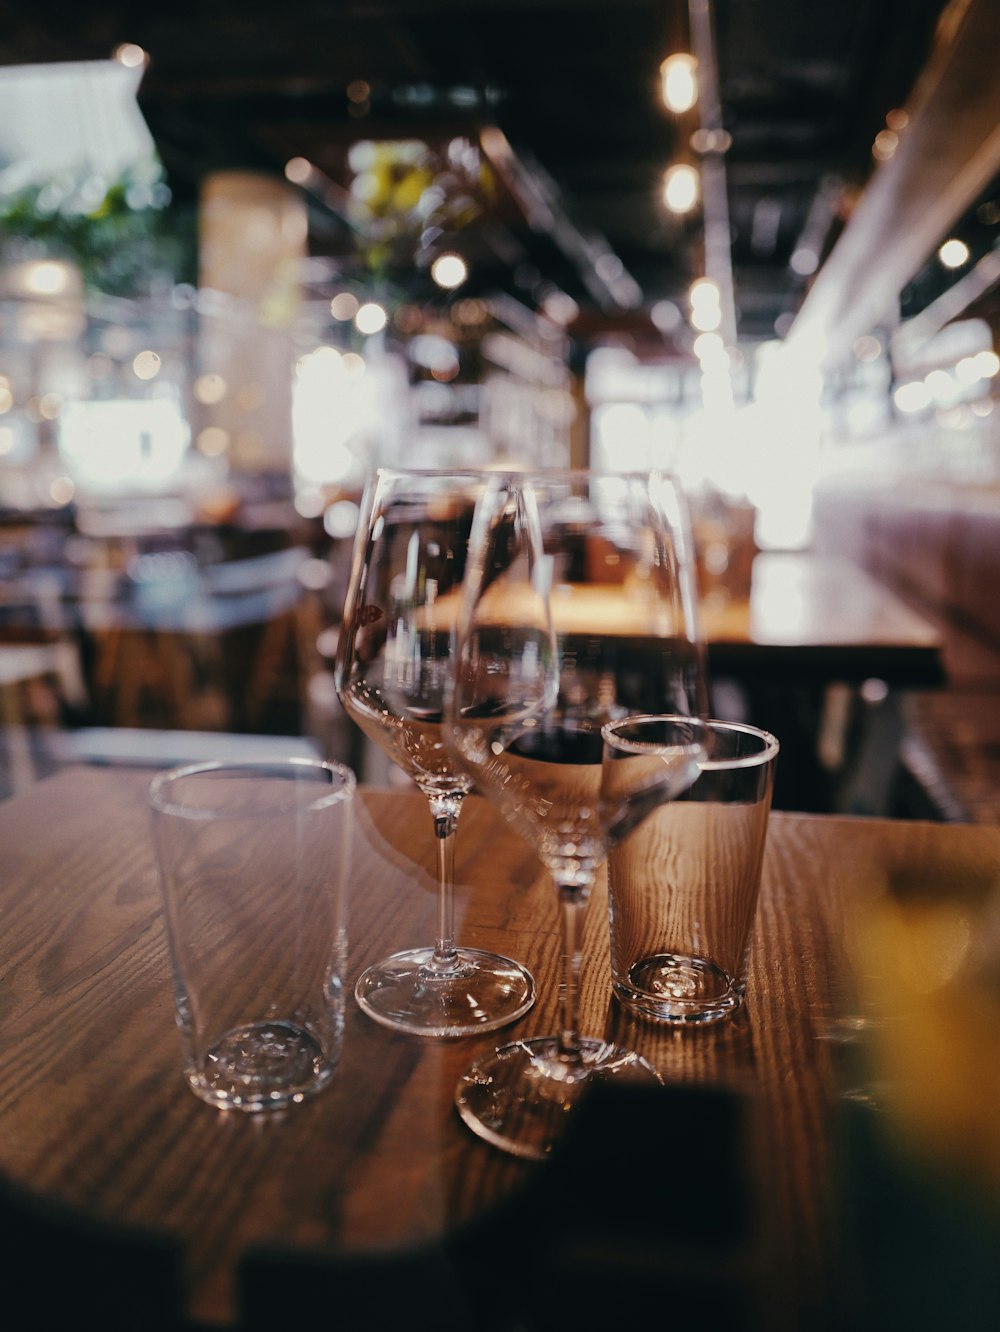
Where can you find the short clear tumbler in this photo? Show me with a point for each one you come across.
(683, 888)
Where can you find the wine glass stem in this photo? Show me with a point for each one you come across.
(445, 810)
(572, 905)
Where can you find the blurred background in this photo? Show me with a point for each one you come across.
(248, 253)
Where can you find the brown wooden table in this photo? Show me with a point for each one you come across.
(94, 1112)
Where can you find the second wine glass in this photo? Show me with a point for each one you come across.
(578, 610)
(393, 667)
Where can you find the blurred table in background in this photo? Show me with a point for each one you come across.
(924, 518)
(825, 656)
(813, 649)
(819, 618)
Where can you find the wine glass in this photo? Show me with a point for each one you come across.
(393, 664)
(578, 610)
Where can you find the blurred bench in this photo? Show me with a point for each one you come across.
(951, 757)
(180, 643)
(121, 745)
(936, 542)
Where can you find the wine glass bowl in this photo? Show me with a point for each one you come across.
(578, 610)
(394, 665)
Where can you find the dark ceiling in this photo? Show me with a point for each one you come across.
(803, 89)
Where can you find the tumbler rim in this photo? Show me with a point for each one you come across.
(770, 745)
(163, 782)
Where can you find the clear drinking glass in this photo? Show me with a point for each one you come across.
(578, 609)
(253, 869)
(682, 893)
(394, 662)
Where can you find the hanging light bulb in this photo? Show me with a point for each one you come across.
(706, 318)
(679, 82)
(704, 294)
(681, 188)
(706, 310)
(954, 253)
(370, 318)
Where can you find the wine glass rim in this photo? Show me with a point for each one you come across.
(573, 473)
(507, 473)
(473, 473)
(769, 744)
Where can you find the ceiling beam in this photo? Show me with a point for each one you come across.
(714, 199)
(601, 271)
(978, 282)
(947, 154)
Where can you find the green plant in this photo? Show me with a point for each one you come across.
(117, 245)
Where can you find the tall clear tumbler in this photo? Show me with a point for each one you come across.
(253, 865)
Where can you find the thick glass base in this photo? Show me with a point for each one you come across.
(518, 1097)
(262, 1066)
(673, 987)
(410, 992)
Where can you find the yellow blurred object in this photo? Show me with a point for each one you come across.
(931, 974)
(409, 187)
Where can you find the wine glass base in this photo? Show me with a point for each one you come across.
(409, 992)
(518, 1097)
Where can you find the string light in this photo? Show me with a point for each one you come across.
(344, 306)
(298, 170)
(679, 82)
(681, 188)
(954, 253)
(706, 310)
(130, 55)
(704, 292)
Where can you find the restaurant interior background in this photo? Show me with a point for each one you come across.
(248, 254)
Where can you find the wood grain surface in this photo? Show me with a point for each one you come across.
(94, 1111)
